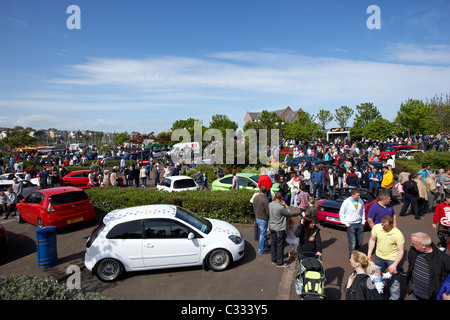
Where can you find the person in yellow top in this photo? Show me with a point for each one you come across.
(387, 181)
(390, 244)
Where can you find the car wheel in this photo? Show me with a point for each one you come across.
(39, 223)
(18, 216)
(108, 270)
(219, 260)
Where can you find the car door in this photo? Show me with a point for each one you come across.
(166, 244)
(125, 241)
(32, 207)
(246, 183)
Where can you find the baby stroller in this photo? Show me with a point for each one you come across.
(310, 279)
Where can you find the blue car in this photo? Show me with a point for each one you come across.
(299, 160)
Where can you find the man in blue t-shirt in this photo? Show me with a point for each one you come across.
(381, 208)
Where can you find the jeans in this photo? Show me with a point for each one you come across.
(394, 281)
(355, 236)
(317, 190)
(263, 243)
(331, 190)
(277, 246)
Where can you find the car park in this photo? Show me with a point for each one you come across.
(79, 179)
(328, 212)
(177, 183)
(246, 181)
(159, 237)
(57, 207)
(394, 150)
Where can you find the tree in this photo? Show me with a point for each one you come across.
(222, 122)
(342, 115)
(304, 128)
(324, 117)
(418, 117)
(366, 112)
(379, 129)
(19, 137)
(441, 107)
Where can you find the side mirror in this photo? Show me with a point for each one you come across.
(191, 236)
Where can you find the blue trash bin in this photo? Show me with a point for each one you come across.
(47, 255)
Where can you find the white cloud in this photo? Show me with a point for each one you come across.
(168, 88)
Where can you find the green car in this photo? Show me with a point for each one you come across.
(246, 181)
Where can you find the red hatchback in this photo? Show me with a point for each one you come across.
(79, 179)
(57, 207)
(393, 150)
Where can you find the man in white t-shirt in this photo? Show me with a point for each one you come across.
(352, 215)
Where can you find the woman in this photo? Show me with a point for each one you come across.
(357, 284)
(310, 242)
(307, 179)
(294, 185)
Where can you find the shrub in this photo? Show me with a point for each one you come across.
(233, 206)
(26, 287)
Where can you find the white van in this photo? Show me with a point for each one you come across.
(179, 147)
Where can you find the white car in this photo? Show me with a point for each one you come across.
(408, 154)
(28, 187)
(177, 183)
(160, 236)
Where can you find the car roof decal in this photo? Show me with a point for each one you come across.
(159, 210)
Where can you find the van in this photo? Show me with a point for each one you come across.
(177, 148)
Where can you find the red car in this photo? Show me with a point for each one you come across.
(3, 240)
(79, 179)
(329, 209)
(57, 207)
(393, 150)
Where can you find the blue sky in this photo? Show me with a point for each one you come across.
(141, 65)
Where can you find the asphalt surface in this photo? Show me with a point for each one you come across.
(254, 277)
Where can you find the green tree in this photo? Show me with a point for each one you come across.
(222, 122)
(324, 117)
(418, 117)
(342, 115)
(365, 113)
(304, 128)
(19, 137)
(379, 129)
(441, 106)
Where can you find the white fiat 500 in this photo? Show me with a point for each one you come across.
(160, 236)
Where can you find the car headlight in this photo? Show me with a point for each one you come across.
(235, 238)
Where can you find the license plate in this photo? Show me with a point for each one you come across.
(74, 220)
(333, 219)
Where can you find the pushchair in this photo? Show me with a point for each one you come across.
(310, 279)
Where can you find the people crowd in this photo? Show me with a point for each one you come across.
(350, 166)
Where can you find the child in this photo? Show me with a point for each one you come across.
(291, 239)
(312, 211)
(3, 200)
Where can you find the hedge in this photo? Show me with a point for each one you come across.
(26, 287)
(233, 206)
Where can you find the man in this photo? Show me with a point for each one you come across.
(424, 171)
(381, 208)
(331, 180)
(352, 215)
(264, 180)
(156, 173)
(122, 164)
(427, 268)
(284, 189)
(387, 181)
(43, 176)
(432, 190)
(17, 188)
(317, 180)
(375, 181)
(278, 211)
(198, 178)
(303, 199)
(441, 220)
(261, 208)
(389, 252)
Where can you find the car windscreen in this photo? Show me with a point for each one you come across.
(184, 183)
(194, 220)
(68, 197)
